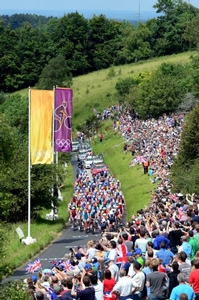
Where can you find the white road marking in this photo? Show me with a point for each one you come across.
(79, 236)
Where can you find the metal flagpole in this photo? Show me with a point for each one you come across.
(29, 166)
(53, 124)
(56, 155)
(53, 153)
(29, 239)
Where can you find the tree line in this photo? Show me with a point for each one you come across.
(29, 43)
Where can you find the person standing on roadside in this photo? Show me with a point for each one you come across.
(101, 137)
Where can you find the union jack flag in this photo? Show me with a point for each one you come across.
(67, 266)
(34, 266)
(56, 262)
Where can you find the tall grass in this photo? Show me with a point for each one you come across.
(90, 90)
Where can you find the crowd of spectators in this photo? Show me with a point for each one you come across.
(155, 255)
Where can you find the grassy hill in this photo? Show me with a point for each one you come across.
(97, 89)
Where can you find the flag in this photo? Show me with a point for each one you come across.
(41, 112)
(63, 120)
(67, 266)
(33, 266)
(56, 262)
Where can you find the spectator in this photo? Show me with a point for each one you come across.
(141, 242)
(165, 255)
(175, 237)
(98, 286)
(194, 278)
(88, 293)
(138, 281)
(113, 268)
(193, 244)
(156, 281)
(158, 239)
(182, 288)
(108, 282)
(124, 286)
(173, 282)
(184, 267)
(39, 295)
(129, 244)
(186, 247)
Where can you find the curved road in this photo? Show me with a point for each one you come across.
(60, 246)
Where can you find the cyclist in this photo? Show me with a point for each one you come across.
(73, 214)
(111, 219)
(85, 217)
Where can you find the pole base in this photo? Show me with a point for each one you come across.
(29, 240)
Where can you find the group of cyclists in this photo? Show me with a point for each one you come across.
(97, 203)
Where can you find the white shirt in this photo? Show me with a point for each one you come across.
(113, 255)
(141, 243)
(131, 271)
(124, 286)
(138, 281)
(91, 252)
(114, 271)
(99, 294)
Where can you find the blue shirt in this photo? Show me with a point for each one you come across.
(157, 241)
(186, 247)
(165, 255)
(182, 288)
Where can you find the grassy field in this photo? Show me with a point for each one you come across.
(97, 89)
(94, 90)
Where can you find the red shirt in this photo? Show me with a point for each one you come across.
(194, 280)
(109, 284)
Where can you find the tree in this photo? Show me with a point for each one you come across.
(15, 290)
(6, 141)
(185, 174)
(195, 75)
(123, 86)
(191, 33)
(103, 34)
(159, 93)
(55, 73)
(71, 39)
(171, 25)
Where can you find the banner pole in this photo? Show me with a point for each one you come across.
(56, 153)
(29, 239)
(29, 166)
(53, 135)
(53, 129)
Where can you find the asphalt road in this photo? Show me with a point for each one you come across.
(57, 249)
(68, 239)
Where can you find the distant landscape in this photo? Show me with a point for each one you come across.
(112, 14)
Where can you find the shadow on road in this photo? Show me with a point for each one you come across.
(68, 241)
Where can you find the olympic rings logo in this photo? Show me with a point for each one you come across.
(61, 143)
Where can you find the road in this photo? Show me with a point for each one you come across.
(60, 246)
(57, 249)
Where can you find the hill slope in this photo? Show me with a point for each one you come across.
(97, 89)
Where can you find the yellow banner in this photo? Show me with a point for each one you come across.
(41, 112)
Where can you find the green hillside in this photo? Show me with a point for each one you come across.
(97, 89)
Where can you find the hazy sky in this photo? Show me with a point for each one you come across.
(132, 5)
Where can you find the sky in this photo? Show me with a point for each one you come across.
(73, 5)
